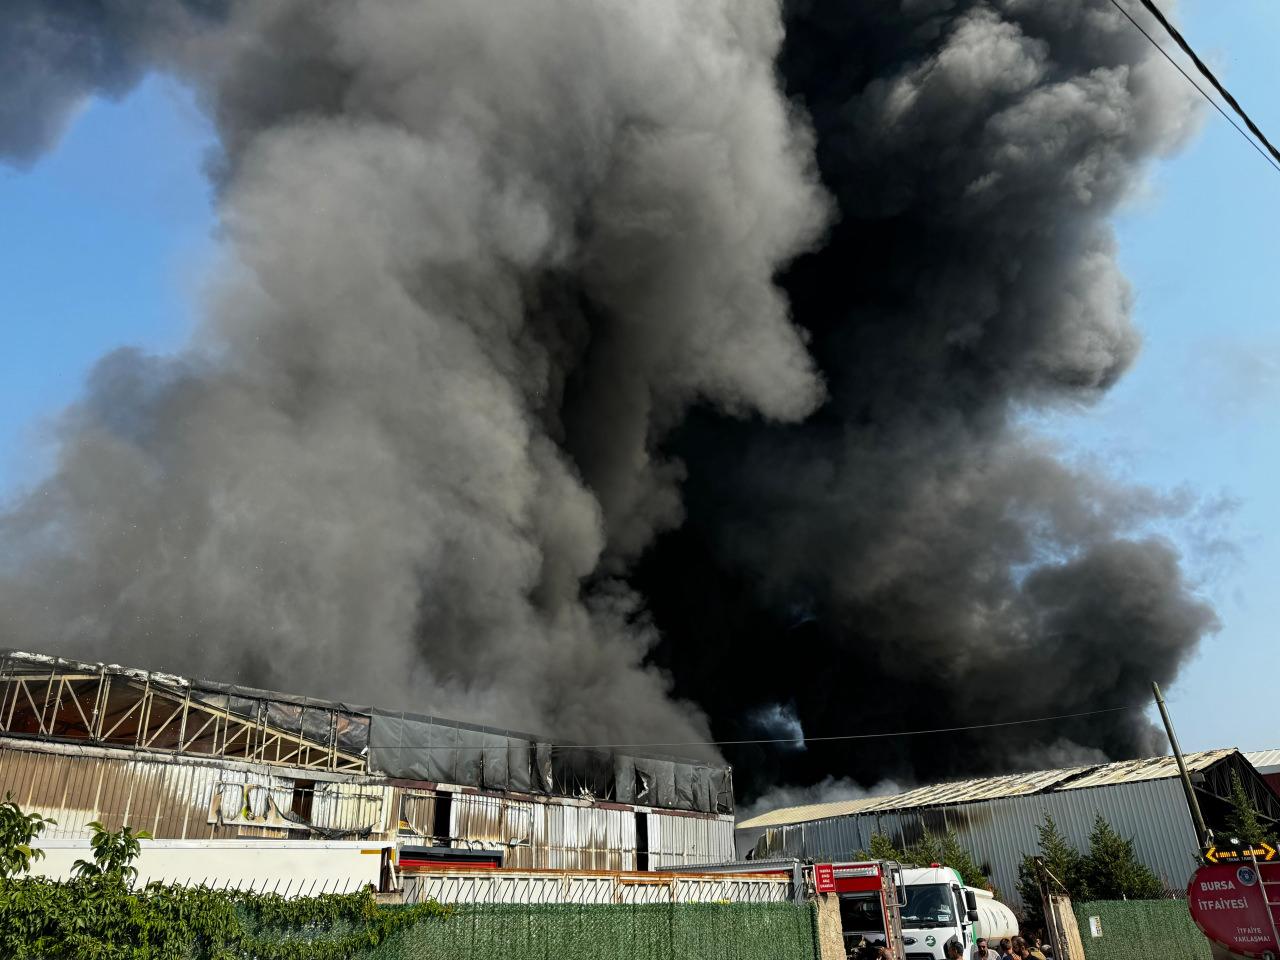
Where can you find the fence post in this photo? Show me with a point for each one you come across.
(1060, 913)
(830, 931)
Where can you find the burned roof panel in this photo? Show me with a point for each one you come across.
(58, 699)
(992, 788)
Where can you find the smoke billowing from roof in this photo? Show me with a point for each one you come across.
(628, 370)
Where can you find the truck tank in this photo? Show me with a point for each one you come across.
(995, 920)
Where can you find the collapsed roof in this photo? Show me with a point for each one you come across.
(113, 706)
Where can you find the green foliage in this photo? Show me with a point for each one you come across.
(946, 849)
(17, 832)
(98, 917)
(882, 848)
(113, 853)
(1111, 871)
(942, 848)
(1243, 822)
(1061, 859)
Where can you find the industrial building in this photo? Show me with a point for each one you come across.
(196, 760)
(996, 818)
(1267, 763)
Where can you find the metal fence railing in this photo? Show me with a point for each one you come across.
(507, 887)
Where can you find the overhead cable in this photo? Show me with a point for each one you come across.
(1226, 95)
(806, 740)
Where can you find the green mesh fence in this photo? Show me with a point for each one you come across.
(736, 931)
(1141, 930)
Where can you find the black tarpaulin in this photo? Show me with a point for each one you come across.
(413, 747)
(624, 778)
(520, 765)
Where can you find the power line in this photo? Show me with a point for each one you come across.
(1178, 38)
(803, 739)
(861, 736)
(1208, 75)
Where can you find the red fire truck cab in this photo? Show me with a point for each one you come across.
(871, 893)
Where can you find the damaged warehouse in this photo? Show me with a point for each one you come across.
(996, 818)
(197, 760)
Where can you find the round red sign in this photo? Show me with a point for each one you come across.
(1229, 903)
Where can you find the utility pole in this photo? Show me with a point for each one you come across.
(1202, 832)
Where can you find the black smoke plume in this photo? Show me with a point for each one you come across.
(910, 557)
(634, 371)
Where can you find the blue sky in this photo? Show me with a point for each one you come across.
(105, 239)
(1200, 409)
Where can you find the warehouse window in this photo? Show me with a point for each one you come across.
(642, 841)
(441, 829)
(304, 794)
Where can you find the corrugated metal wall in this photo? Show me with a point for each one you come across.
(172, 799)
(581, 838)
(685, 841)
(1001, 832)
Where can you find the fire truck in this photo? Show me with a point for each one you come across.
(910, 911)
(872, 894)
(932, 906)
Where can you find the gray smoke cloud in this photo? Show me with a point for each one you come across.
(630, 370)
(355, 481)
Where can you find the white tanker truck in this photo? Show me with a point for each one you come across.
(936, 907)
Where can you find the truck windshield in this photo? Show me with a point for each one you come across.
(860, 913)
(928, 905)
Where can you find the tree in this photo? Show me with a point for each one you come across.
(1111, 870)
(962, 861)
(881, 849)
(1061, 859)
(113, 853)
(945, 848)
(1243, 823)
(18, 831)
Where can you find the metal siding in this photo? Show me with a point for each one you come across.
(350, 806)
(1265, 761)
(173, 801)
(845, 837)
(683, 841)
(571, 837)
(417, 810)
(999, 833)
(77, 789)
